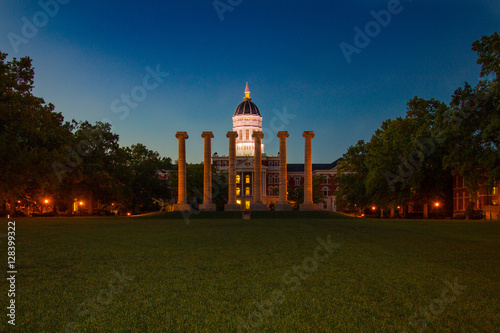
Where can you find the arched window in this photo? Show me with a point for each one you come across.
(325, 191)
(247, 191)
(276, 191)
(247, 179)
(238, 179)
(238, 191)
(271, 191)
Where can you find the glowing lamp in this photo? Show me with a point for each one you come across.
(437, 204)
(81, 203)
(373, 208)
(46, 201)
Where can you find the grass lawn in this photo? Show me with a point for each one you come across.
(219, 273)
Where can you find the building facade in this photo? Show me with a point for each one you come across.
(488, 199)
(247, 119)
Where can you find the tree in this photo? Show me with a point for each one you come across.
(352, 171)
(95, 162)
(140, 177)
(474, 122)
(32, 135)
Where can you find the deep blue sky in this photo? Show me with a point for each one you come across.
(88, 54)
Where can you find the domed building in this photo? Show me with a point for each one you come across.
(246, 120)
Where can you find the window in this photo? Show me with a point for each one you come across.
(325, 191)
(276, 179)
(238, 191)
(248, 134)
(325, 179)
(247, 191)
(247, 205)
(297, 181)
(276, 191)
(247, 179)
(271, 191)
(241, 135)
(238, 179)
(494, 191)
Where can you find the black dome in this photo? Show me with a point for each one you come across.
(247, 107)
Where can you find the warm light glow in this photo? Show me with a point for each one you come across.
(46, 201)
(399, 207)
(128, 214)
(437, 204)
(238, 202)
(373, 208)
(18, 201)
(81, 203)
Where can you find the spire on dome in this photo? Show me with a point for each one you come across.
(247, 93)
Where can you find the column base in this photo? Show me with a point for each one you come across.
(232, 207)
(308, 206)
(258, 207)
(208, 207)
(182, 207)
(283, 207)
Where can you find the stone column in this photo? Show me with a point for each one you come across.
(257, 204)
(283, 204)
(207, 173)
(182, 194)
(308, 179)
(231, 202)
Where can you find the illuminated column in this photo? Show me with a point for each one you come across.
(308, 180)
(283, 204)
(207, 173)
(182, 195)
(257, 204)
(231, 202)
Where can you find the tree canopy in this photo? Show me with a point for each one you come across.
(411, 159)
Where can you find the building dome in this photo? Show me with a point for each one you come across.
(247, 108)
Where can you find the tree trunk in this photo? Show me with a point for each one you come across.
(12, 208)
(426, 210)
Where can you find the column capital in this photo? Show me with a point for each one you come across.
(207, 135)
(283, 134)
(232, 135)
(258, 134)
(180, 135)
(308, 134)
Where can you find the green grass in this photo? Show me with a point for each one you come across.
(206, 276)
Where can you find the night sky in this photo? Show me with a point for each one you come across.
(88, 55)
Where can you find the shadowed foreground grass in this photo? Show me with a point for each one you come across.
(160, 274)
